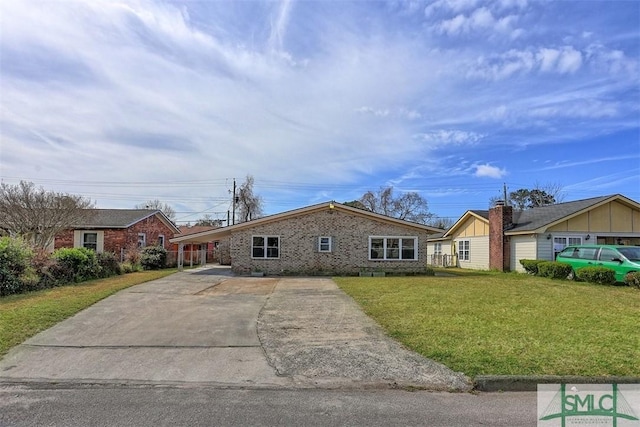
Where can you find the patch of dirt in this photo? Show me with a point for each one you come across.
(242, 285)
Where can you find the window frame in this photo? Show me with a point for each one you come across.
(437, 248)
(265, 246)
(161, 239)
(142, 243)
(464, 253)
(328, 244)
(94, 245)
(400, 249)
(567, 242)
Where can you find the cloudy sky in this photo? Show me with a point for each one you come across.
(125, 101)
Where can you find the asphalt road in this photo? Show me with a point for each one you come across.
(204, 406)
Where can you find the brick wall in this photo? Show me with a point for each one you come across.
(116, 239)
(500, 219)
(298, 245)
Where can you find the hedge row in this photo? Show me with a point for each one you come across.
(24, 269)
(559, 270)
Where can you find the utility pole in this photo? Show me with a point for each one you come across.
(504, 189)
(233, 203)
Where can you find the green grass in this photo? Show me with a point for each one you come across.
(22, 316)
(485, 323)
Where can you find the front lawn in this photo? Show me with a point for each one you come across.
(24, 315)
(485, 323)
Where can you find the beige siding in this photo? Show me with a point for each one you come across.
(478, 254)
(621, 217)
(613, 217)
(298, 245)
(473, 227)
(522, 247)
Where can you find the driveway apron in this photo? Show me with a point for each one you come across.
(176, 329)
(205, 326)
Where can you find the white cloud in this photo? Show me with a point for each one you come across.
(443, 137)
(489, 171)
(143, 90)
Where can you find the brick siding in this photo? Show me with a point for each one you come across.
(500, 219)
(298, 245)
(117, 239)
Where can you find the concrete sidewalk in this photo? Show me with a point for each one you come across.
(205, 326)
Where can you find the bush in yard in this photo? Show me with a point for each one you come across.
(16, 273)
(554, 270)
(127, 267)
(109, 264)
(531, 265)
(153, 257)
(599, 275)
(46, 268)
(633, 279)
(77, 264)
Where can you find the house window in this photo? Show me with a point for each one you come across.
(437, 248)
(324, 244)
(142, 240)
(90, 241)
(561, 242)
(265, 247)
(393, 248)
(464, 250)
(161, 240)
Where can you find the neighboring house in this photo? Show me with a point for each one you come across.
(327, 238)
(118, 230)
(501, 237)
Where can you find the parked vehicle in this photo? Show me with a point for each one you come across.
(621, 259)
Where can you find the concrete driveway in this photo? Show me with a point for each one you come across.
(204, 326)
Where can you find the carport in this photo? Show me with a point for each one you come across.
(200, 238)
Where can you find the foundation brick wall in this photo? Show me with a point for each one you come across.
(298, 245)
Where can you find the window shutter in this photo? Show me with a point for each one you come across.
(333, 244)
(316, 244)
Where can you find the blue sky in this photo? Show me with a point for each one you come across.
(126, 101)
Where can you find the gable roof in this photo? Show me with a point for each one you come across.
(540, 218)
(121, 218)
(207, 236)
(537, 220)
(482, 215)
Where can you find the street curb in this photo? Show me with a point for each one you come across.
(492, 383)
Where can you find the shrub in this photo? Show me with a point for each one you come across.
(554, 270)
(153, 257)
(109, 264)
(46, 267)
(16, 273)
(633, 279)
(77, 264)
(531, 265)
(429, 271)
(599, 275)
(127, 267)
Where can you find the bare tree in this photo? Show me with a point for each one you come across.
(539, 195)
(37, 215)
(441, 222)
(208, 221)
(158, 205)
(410, 206)
(249, 204)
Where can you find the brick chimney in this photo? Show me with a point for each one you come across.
(500, 219)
